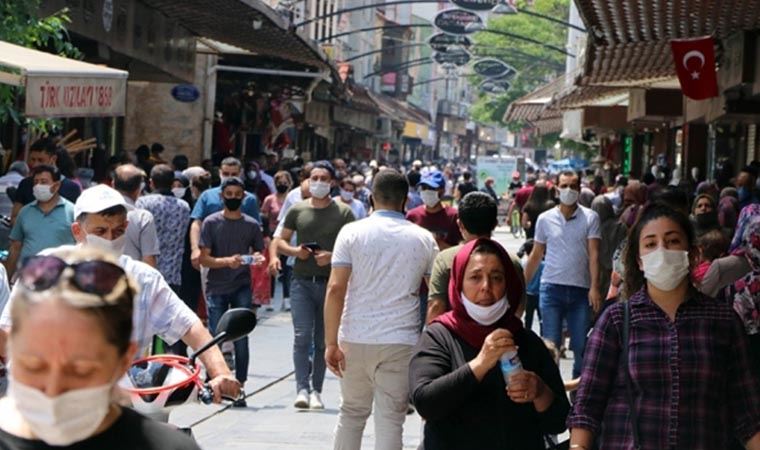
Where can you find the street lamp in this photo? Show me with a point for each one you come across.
(504, 8)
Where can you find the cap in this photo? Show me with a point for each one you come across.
(434, 180)
(99, 198)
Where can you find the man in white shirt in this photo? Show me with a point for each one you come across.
(372, 316)
(347, 193)
(101, 221)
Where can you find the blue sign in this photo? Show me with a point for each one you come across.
(186, 93)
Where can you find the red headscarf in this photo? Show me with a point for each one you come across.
(458, 321)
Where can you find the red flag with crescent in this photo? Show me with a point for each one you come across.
(695, 66)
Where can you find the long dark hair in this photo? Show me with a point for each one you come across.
(538, 198)
(634, 277)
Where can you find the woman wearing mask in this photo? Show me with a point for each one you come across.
(270, 211)
(70, 343)
(634, 197)
(254, 183)
(689, 366)
(538, 202)
(455, 377)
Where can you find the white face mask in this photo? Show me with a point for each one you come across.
(63, 420)
(485, 315)
(319, 189)
(179, 192)
(568, 196)
(429, 198)
(666, 269)
(346, 196)
(252, 174)
(42, 192)
(115, 247)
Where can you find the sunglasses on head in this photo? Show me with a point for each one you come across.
(100, 278)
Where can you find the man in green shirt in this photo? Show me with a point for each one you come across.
(317, 222)
(477, 219)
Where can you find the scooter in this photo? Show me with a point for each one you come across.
(156, 384)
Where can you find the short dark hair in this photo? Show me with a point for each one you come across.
(569, 173)
(162, 176)
(46, 145)
(325, 165)
(42, 168)
(127, 184)
(231, 161)
(118, 210)
(478, 213)
(750, 170)
(390, 187)
(180, 162)
(232, 181)
(156, 148)
(467, 176)
(674, 197)
(347, 180)
(413, 178)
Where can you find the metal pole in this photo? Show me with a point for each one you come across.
(384, 27)
(404, 65)
(527, 39)
(415, 44)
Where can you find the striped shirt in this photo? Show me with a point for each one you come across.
(692, 378)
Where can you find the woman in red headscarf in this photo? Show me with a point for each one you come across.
(455, 376)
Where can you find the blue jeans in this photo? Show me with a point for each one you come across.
(307, 304)
(560, 303)
(217, 305)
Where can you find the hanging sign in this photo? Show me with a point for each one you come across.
(457, 56)
(455, 21)
(475, 5)
(492, 68)
(495, 86)
(185, 93)
(441, 42)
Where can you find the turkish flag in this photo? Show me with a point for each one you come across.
(695, 65)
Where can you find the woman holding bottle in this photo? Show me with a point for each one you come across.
(456, 380)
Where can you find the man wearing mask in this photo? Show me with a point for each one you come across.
(43, 151)
(142, 237)
(210, 202)
(433, 215)
(101, 220)
(745, 186)
(370, 352)
(44, 223)
(347, 191)
(317, 222)
(569, 237)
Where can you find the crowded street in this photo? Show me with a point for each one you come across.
(379, 224)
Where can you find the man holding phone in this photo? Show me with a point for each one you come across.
(317, 222)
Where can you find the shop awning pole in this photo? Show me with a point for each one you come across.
(284, 73)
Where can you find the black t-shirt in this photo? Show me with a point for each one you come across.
(131, 431)
(466, 187)
(69, 190)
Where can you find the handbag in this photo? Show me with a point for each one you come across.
(628, 382)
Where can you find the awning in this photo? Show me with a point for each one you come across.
(62, 87)
(536, 105)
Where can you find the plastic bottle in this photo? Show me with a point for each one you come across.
(509, 363)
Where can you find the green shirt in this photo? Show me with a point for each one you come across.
(320, 225)
(439, 278)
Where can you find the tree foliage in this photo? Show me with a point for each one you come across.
(544, 65)
(19, 25)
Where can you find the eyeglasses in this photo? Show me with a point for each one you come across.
(101, 278)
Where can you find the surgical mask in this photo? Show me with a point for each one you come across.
(282, 188)
(42, 192)
(485, 315)
(319, 189)
(179, 192)
(568, 196)
(429, 198)
(346, 196)
(233, 204)
(115, 247)
(65, 419)
(666, 269)
(252, 174)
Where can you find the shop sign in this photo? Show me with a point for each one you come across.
(185, 93)
(442, 42)
(458, 56)
(455, 21)
(475, 5)
(75, 97)
(492, 68)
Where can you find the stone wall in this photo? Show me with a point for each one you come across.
(153, 115)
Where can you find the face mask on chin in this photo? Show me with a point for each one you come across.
(65, 419)
(485, 315)
(115, 247)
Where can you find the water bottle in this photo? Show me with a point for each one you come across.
(509, 363)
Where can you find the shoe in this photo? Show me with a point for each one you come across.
(269, 308)
(240, 403)
(302, 400)
(285, 306)
(315, 402)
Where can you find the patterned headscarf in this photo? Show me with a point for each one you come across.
(746, 290)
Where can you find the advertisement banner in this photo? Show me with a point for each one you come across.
(500, 169)
(75, 97)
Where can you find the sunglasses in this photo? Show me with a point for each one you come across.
(101, 278)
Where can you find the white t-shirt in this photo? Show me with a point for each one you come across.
(356, 206)
(157, 310)
(388, 257)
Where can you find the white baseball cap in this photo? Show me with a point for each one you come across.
(99, 198)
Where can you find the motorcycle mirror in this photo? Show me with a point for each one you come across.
(236, 323)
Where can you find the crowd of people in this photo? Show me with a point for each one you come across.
(395, 284)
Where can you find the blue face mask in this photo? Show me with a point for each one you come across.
(743, 193)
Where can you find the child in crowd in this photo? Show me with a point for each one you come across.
(712, 245)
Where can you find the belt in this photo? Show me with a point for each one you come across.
(313, 279)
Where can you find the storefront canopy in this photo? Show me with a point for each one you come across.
(62, 87)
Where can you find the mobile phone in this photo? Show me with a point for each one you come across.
(313, 246)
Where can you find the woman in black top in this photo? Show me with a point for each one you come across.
(455, 377)
(538, 202)
(69, 344)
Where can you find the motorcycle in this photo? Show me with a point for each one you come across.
(159, 383)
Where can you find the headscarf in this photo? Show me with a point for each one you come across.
(586, 197)
(745, 217)
(708, 188)
(728, 208)
(746, 290)
(705, 222)
(458, 321)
